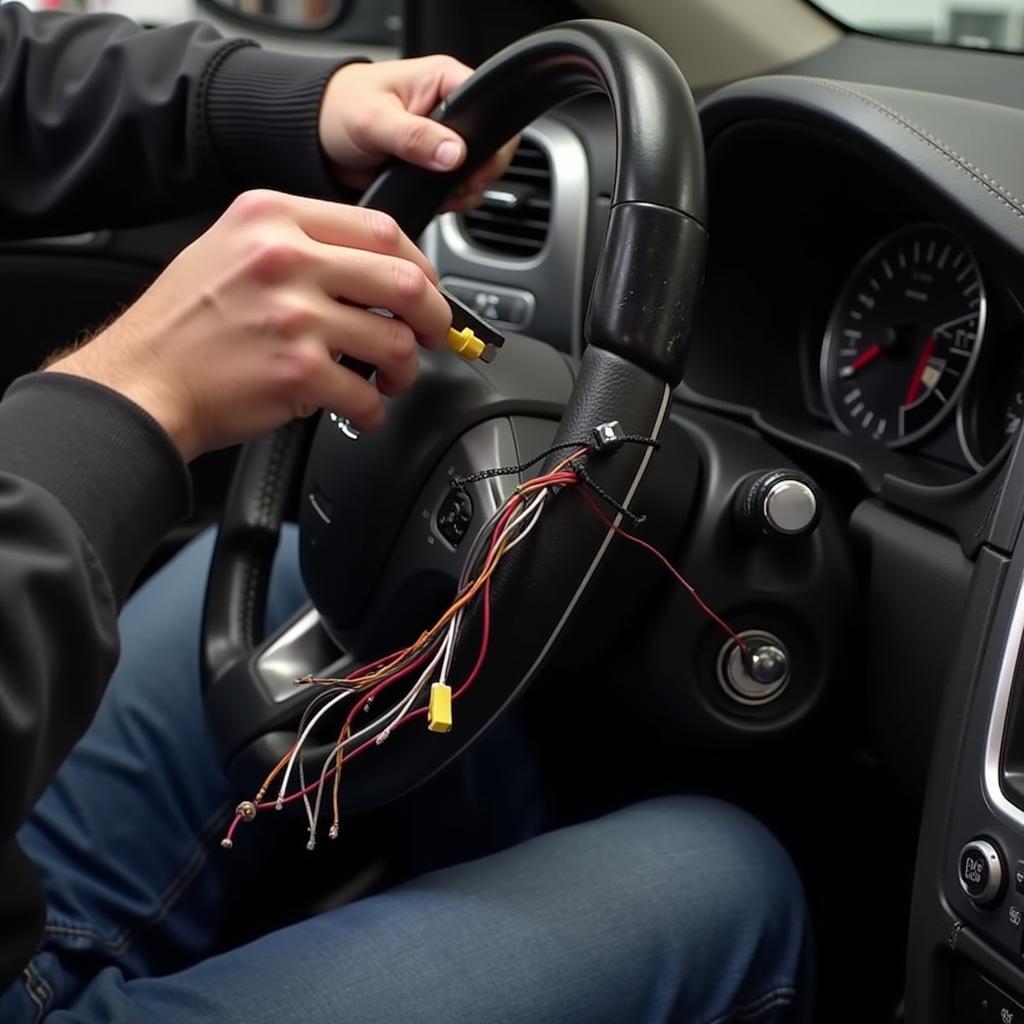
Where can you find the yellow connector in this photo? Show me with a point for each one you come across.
(439, 712)
(465, 343)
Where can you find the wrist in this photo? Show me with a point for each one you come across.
(97, 362)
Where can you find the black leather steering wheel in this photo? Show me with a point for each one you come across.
(365, 503)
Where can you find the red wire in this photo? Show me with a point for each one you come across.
(702, 604)
(485, 634)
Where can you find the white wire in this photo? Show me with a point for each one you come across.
(531, 511)
(302, 739)
(533, 508)
(399, 710)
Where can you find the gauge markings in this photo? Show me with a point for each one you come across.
(902, 339)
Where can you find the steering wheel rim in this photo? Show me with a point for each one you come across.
(637, 323)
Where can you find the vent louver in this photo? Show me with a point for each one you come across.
(514, 217)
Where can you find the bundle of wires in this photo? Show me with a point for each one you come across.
(428, 661)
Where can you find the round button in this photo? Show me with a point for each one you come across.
(790, 506)
(981, 872)
(777, 504)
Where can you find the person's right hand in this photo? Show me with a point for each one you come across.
(240, 333)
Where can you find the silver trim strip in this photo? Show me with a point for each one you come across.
(659, 421)
(998, 800)
(555, 275)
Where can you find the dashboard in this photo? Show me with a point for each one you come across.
(914, 383)
(844, 312)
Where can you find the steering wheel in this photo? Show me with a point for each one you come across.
(375, 564)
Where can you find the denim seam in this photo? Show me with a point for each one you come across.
(782, 995)
(39, 991)
(123, 939)
(56, 926)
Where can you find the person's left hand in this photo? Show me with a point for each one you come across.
(372, 112)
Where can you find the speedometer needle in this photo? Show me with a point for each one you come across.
(914, 389)
(861, 361)
(871, 352)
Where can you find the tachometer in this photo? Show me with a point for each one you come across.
(903, 337)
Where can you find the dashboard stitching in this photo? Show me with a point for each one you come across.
(1004, 196)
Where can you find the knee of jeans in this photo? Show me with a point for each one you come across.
(714, 848)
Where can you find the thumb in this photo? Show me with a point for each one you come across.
(417, 140)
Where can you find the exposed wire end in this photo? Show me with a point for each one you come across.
(334, 830)
(228, 841)
(311, 845)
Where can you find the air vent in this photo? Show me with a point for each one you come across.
(514, 216)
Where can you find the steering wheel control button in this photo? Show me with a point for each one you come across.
(454, 517)
(1018, 877)
(780, 503)
(981, 873)
(757, 673)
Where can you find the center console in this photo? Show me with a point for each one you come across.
(966, 950)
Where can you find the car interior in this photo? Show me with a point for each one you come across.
(839, 474)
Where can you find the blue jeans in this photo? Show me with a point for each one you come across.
(679, 909)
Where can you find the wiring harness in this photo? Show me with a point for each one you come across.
(426, 665)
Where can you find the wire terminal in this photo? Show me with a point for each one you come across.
(439, 711)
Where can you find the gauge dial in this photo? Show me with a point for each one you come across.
(904, 335)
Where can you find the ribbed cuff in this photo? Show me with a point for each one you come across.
(263, 120)
(106, 460)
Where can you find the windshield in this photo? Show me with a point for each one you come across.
(988, 24)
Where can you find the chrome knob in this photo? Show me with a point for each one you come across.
(779, 503)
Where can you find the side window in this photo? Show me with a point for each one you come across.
(369, 22)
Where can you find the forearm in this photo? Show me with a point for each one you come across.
(107, 124)
(88, 485)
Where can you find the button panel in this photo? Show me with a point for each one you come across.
(508, 307)
(454, 517)
(977, 1001)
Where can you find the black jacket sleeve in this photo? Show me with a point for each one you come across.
(89, 483)
(104, 124)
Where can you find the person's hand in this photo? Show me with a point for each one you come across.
(239, 334)
(372, 112)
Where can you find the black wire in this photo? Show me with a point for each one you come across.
(593, 486)
(458, 482)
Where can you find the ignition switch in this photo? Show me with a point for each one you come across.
(757, 674)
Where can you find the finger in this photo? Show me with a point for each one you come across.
(494, 168)
(423, 81)
(340, 390)
(384, 342)
(411, 137)
(370, 279)
(463, 201)
(337, 224)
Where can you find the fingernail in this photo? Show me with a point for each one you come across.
(448, 154)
